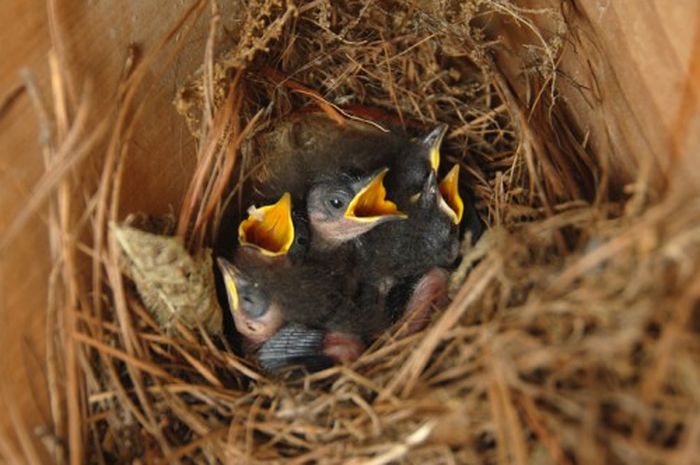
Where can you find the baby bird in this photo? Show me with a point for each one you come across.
(269, 239)
(307, 147)
(312, 146)
(410, 168)
(265, 300)
(429, 237)
(403, 262)
(344, 207)
(267, 290)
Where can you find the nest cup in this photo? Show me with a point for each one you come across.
(572, 332)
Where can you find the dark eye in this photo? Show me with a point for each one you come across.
(336, 203)
(248, 300)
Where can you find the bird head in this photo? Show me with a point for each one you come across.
(269, 229)
(421, 158)
(255, 314)
(445, 195)
(344, 208)
(431, 145)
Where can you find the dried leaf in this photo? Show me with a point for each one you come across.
(173, 285)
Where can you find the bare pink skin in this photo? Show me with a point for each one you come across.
(342, 347)
(330, 234)
(259, 330)
(431, 289)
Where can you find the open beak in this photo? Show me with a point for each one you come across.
(370, 204)
(451, 202)
(432, 141)
(428, 191)
(255, 329)
(228, 271)
(270, 228)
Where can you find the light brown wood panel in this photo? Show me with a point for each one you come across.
(636, 59)
(96, 35)
(24, 266)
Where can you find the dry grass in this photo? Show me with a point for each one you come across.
(573, 339)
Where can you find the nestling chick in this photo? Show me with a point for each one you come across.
(267, 290)
(311, 146)
(428, 238)
(395, 256)
(343, 208)
(411, 166)
(271, 238)
(265, 299)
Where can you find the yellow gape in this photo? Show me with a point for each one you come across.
(435, 157)
(231, 290)
(270, 228)
(452, 202)
(436, 135)
(371, 204)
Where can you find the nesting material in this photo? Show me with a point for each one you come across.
(174, 286)
(572, 334)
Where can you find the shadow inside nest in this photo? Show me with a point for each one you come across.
(325, 321)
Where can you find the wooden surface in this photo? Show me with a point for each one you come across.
(637, 60)
(97, 36)
(630, 74)
(641, 60)
(24, 267)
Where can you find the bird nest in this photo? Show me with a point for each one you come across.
(571, 335)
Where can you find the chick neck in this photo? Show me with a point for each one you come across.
(324, 245)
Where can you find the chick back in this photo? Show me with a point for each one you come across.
(312, 146)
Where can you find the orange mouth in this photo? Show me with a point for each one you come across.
(371, 204)
(452, 202)
(270, 228)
